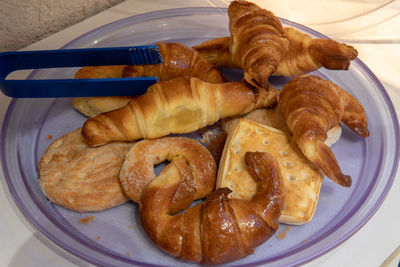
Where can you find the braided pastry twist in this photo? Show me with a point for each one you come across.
(218, 230)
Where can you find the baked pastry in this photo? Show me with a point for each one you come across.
(272, 117)
(291, 52)
(306, 54)
(256, 45)
(138, 170)
(303, 54)
(257, 41)
(178, 60)
(302, 179)
(180, 105)
(220, 229)
(82, 178)
(311, 106)
(92, 106)
(112, 71)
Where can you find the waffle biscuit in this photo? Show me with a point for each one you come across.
(302, 179)
(272, 117)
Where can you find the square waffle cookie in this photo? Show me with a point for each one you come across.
(302, 179)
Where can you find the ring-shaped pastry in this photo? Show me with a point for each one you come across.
(199, 171)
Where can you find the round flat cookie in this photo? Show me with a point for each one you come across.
(83, 178)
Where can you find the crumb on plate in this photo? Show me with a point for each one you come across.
(87, 219)
(282, 234)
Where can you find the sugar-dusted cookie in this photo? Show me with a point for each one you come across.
(82, 178)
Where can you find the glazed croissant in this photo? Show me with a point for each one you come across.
(256, 45)
(218, 230)
(180, 105)
(312, 106)
(178, 60)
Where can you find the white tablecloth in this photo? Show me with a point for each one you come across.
(21, 245)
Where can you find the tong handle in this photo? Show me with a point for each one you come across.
(136, 55)
(20, 60)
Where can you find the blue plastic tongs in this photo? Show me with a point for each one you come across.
(22, 60)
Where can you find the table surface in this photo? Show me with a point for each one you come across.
(378, 47)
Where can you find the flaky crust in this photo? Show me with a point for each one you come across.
(312, 106)
(199, 169)
(299, 53)
(92, 106)
(180, 105)
(305, 54)
(82, 178)
(100, 72)
(217, 52)
(178, 60)
(257, 41)
(218, 230)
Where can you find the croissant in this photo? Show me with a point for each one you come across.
(218, 230)
(92, 106)
(100, 72)
(178, 60)
(256, 45)
(312, 106)
(180, 105)
(303, 54)
(306, 54)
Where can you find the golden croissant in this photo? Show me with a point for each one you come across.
(312, 106)
(257, 41)
(256, 45)
(301, 54)
(92, 106)
(306, 54)
(218, 230)
(180, 105)
(178, 60)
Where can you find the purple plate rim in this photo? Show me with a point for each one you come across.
(183, 12)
